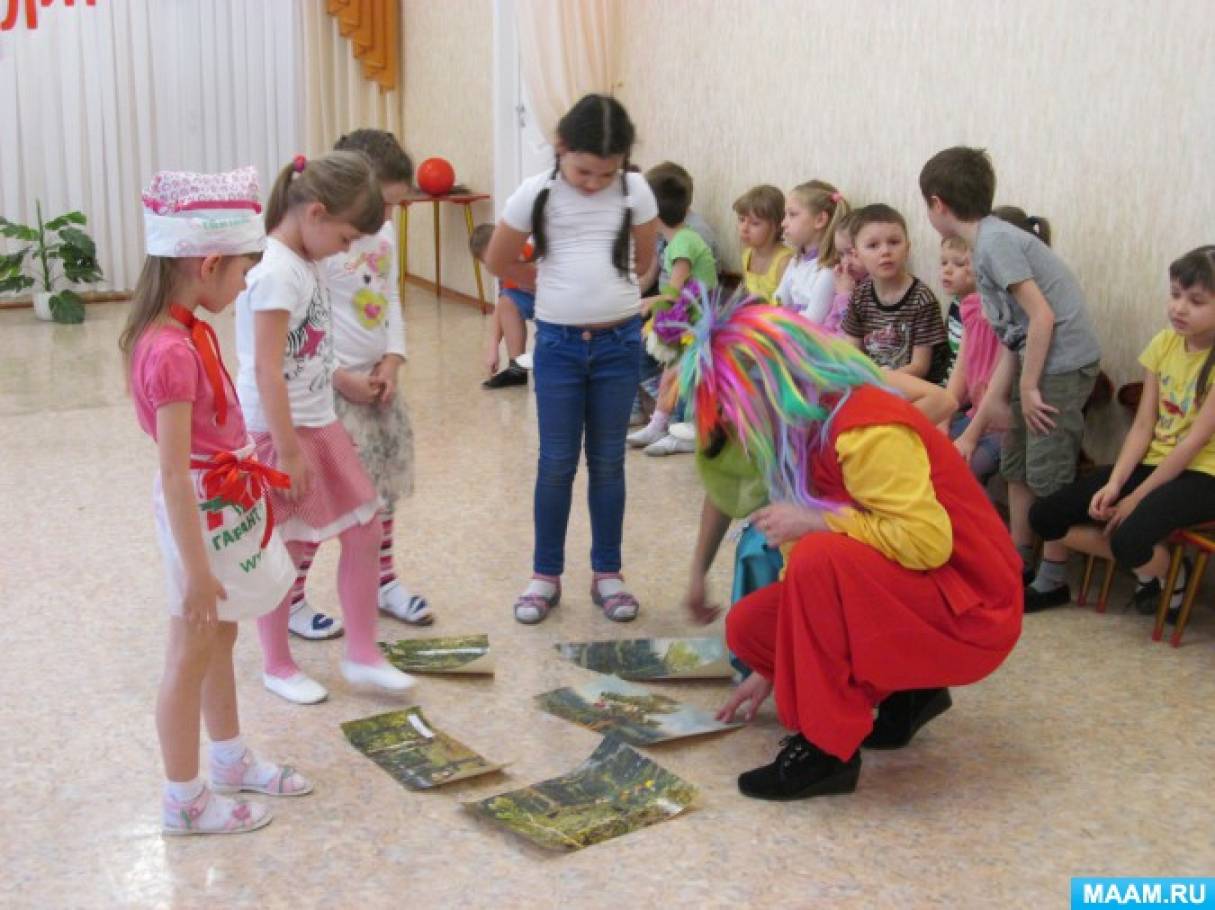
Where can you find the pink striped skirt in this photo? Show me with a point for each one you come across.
(342, 495)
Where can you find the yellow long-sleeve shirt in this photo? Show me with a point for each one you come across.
(885, 469)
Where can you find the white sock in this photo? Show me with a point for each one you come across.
(183, 791)
(1144, 579)
(660, 419)
(228, 751)
(541, 586)
(607, 585)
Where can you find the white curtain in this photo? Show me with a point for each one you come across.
(97, 98)
(338, 97)
(567, 48)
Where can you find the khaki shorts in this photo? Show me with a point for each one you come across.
(1047, 463)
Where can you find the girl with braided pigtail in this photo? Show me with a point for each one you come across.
(900, 578)
(593, 228)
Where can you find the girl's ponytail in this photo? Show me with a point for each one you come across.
(539, 238)
(343, 182)
(620, 249)
(276, 205)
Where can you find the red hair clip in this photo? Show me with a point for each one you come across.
(836, 197)
(298, 163)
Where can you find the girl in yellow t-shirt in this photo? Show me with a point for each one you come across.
(760, 210)
(1164, 478)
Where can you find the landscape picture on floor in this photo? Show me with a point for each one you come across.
(405, 745)
(453, 654)
(609, 705)
(652, 658)
(615, 791)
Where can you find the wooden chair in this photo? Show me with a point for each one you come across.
(1202, 540)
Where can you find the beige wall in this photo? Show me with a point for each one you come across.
(447, 58)
(1099, 115)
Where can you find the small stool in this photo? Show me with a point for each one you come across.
(1092, 542)
(1202, 541)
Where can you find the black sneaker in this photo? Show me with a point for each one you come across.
(1036, 600)
(800, 771)
(901, 714)
(512, 375)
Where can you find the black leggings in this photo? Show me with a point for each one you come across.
(1186, 500)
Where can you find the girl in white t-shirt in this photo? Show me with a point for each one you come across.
(593, 226)
(285, 342)
(369, 347)
(813, 211)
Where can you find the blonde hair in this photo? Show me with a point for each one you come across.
(765, 202)
(819, 196)
(158, 280)
(343, 182)
(957, 244)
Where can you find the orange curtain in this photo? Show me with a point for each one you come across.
(373, 27)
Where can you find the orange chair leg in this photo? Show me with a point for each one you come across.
(1106, 584)
(1089, 563)
(1166, 594)
(1191, 594)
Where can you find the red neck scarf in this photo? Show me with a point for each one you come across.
(207, 346)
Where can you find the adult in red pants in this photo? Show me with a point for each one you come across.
(902, 579)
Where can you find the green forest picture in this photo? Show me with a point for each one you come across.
(615, 791)
(652, 658)
(636, 715)
(454, 654)
(405, 745)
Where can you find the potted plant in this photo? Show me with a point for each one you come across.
(58, 251)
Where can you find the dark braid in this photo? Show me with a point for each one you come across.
(620, 249)
(539, 241)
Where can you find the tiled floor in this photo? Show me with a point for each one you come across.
(1088, 753)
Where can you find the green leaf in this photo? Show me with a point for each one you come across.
(15, 284)
(78, 242)
(67, 307)
(10, 263)
(63, 220)
(16, 231)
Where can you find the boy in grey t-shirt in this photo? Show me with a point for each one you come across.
(1049, 362)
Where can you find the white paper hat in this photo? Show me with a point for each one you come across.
(189, 214)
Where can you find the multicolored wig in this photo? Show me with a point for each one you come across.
(768, 378)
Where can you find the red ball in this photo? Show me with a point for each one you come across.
(436, 176)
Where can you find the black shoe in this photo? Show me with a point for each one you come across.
(901, 714)
(1146, 598)
(512, 375)
(800, 771)
(1028, 574)
(1036, 600)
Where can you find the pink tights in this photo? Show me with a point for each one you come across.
(358, 584)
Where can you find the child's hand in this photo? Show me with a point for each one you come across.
(385, 373)
(1037, 412)
(1101, 506)
(359, 388)
(965, 444)
(295, 467)
(844, 282)
(647, 305)
(696, 600)
(782, 522)
(753, 692)
(1122, 512)
(199, 605)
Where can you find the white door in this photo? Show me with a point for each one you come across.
(519, 148)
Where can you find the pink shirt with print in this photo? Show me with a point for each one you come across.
(166, 368)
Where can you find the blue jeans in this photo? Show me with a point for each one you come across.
(585, 381)
(986, 459)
